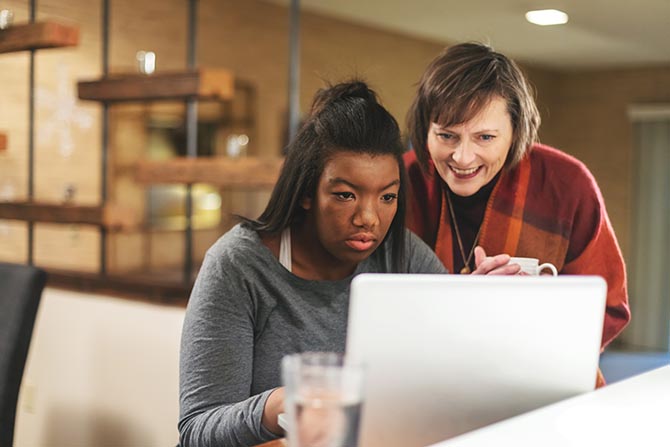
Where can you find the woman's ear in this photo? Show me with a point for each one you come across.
(306, 203)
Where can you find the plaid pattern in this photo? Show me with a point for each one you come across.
(548, 207)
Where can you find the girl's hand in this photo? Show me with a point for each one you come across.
(273, 407)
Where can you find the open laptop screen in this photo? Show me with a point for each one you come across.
(446, 354)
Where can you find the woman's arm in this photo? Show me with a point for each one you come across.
(274, 406)
(602, 257)
(216, 362)
(593, 250)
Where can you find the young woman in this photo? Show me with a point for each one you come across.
(280, 284)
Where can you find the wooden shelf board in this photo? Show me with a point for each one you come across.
(3, 142)
(214, 84)
(243, 172)
(39, 35)
(135, 286)
(109, 216)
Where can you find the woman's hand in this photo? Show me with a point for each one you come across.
(273, 406)
(493, 265)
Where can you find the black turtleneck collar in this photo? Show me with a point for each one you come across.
(480, 196)
(469, 212)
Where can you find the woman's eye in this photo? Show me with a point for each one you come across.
(487, 137)
(390, 197)
(446, 136)
(344, 195)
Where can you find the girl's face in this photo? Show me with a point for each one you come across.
(355, 202)
(468, 155)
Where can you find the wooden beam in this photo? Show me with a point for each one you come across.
(3, 142)
(215, 84)
(35, 36)
(110, 216)
(243, 172)
(130, 286)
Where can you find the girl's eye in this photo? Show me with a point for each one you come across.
(390, 197)
(344, 195)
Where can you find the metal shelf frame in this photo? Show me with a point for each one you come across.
(37, 212)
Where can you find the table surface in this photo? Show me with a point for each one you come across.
(627, 413)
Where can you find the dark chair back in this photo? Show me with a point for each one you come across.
(20, 291)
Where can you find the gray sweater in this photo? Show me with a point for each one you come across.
(245, 313)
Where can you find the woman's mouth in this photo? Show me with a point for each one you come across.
(361, 242)
(465, 173)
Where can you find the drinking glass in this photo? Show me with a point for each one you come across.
(323, 399)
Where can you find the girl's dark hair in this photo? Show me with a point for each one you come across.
(459, 83)
(345, 117)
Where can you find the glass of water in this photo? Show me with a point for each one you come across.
(323, 399)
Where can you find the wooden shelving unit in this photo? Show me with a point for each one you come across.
(243, 172)
(190, 86)
(30, 37)
(109, 216)
(37, 36)
(202, 84)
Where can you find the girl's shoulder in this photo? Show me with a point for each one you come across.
(240, 244)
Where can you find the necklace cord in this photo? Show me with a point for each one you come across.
(466, 261)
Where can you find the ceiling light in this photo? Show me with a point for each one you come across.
(544, 17)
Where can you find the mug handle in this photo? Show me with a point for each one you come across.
(550, 266)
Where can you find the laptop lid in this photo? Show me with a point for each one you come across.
(446, 354)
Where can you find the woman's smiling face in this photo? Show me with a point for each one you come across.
(468, 155)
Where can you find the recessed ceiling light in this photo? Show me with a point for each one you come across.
(544, 17)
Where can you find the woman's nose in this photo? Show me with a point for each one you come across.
(463, 155)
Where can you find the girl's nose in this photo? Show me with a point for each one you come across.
(366, 216)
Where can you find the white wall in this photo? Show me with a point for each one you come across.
(101, 371)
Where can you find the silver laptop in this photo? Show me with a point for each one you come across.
(446, 354)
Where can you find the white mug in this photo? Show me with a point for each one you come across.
(532, 266)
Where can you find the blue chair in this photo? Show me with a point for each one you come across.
(20, 291)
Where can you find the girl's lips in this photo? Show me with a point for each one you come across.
(359, 245)
(465, 174)
(361, 242)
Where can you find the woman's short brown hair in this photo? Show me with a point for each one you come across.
(458, 83)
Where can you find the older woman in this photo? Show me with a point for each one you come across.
(479, 179)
